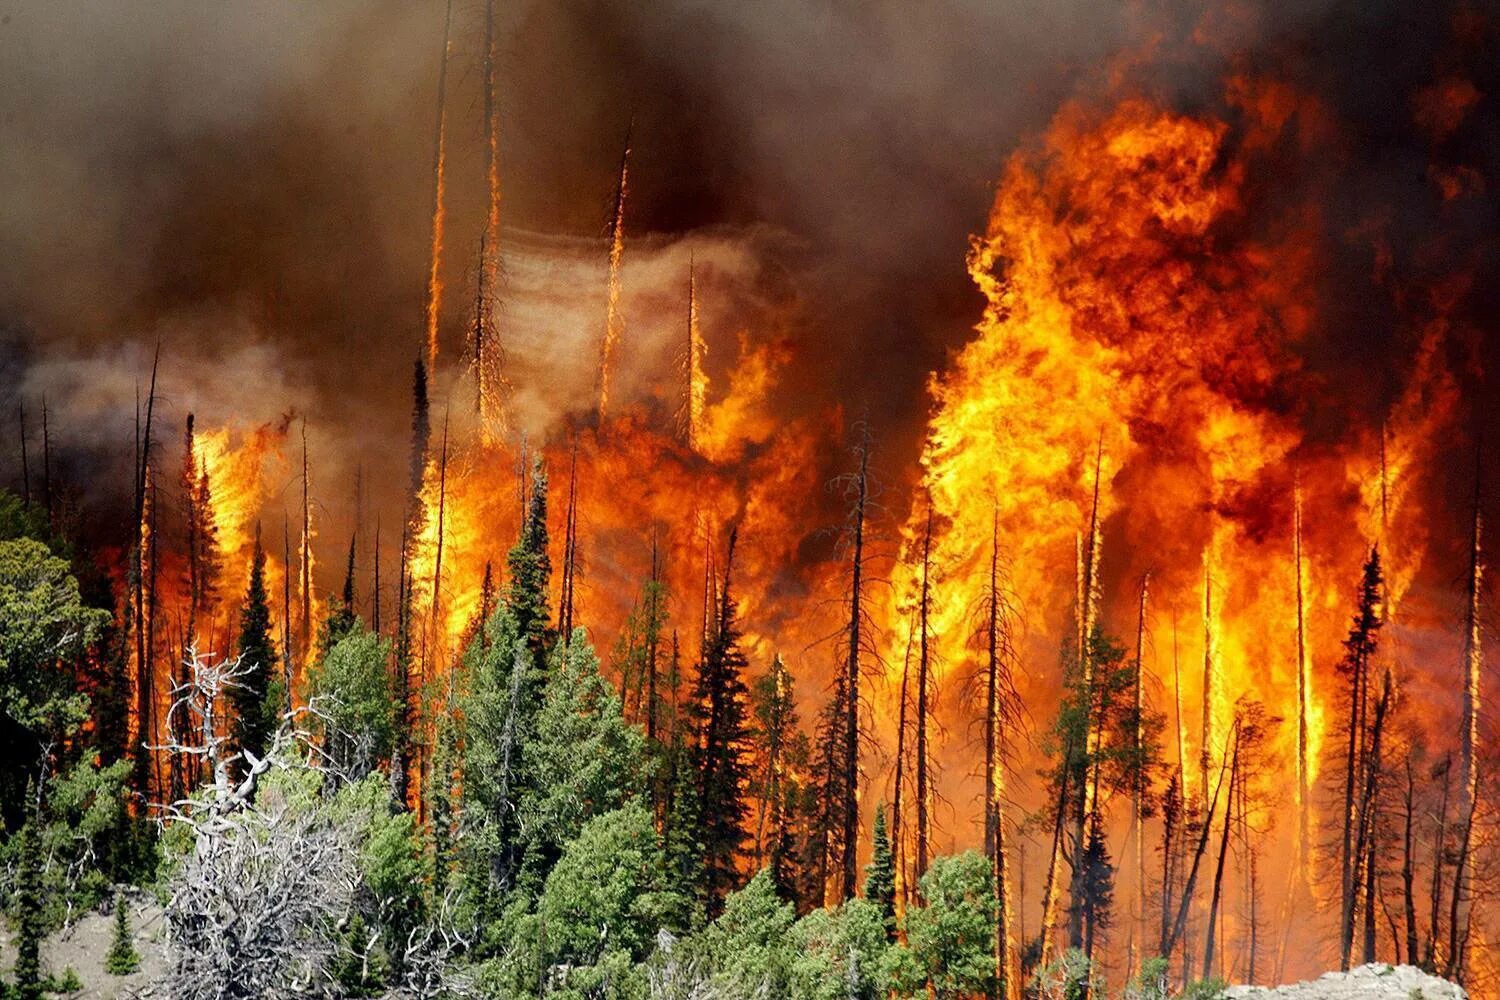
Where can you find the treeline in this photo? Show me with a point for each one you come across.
(522, 821)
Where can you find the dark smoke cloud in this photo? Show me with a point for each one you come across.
(250, 183)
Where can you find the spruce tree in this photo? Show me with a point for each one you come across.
(724, 754)
(252, 713)
(880, 873)
(122, 958)
(531, 573)
(30, 917)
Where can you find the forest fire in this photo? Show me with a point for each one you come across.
(1167, 597)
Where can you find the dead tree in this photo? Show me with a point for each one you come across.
(859, 486)
(258, 904)
(1002, 710)
(924, 673)
(145, 688)
(898, 838)
(570, 553)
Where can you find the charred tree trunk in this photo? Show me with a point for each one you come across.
(145, 689)
(924, 670)
(997, 686)
(850, 805)
(898, 838)
(1304, 806)
(25, 461)
(1179, 922)
(1440, 838)
(1216, 896)
(1369, 816)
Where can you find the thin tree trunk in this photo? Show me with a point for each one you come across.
(851, 710)
(1429, 960)
(1213, 907)
(924, 667)
(1189, 888)
(898, 838)
(1408, 865)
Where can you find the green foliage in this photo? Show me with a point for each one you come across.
(1151, 982)
(353, 687)
(122, 959)
(840, 954)
(1071, 977)
(31, 925)
(19, 519)
(608, 894)
(583, 759)
(43, 624)
(83, 838)
(531, 570)
(749, 945)
(950, 940)
(392, 868)
(725, 751)
(880, 874)
(67, 983)
(252, 701)
(1204, 989)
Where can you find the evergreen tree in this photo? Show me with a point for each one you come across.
(823, 839)
(358, 715)
(253, 714)
(31, 925)
(531, 574)
(880, 874)
(342, 619)
(773, 704)
(724, 754)
(582, 759)
(122, 958)
(677, 783)
(951, 940)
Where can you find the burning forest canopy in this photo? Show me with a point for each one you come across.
(1046, 392)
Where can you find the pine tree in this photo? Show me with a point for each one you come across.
(342, 619)
(880, 873)
(122, 958)
(823, 845)
(531, 572)
(724, 753)
(252, 715)
(1359, 653)
(421, 432)
(30, 919)
(773, 703)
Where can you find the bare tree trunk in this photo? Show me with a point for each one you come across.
(1458, 913)
(1408, 864)
(924, 667)
(1051, 887)
(1189, 888)
(570, 552)
(435, 615)
(898, 838)
(25, 461)
(1138, 785)
(1304, 805)
(1435, 899)
(1213, 906)
(851, 710)
(1007, 955)
(1369, 817)
(145, 693)
(304, 596)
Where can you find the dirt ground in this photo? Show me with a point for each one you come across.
(83, 946)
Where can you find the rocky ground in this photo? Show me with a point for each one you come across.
(1368, 982)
